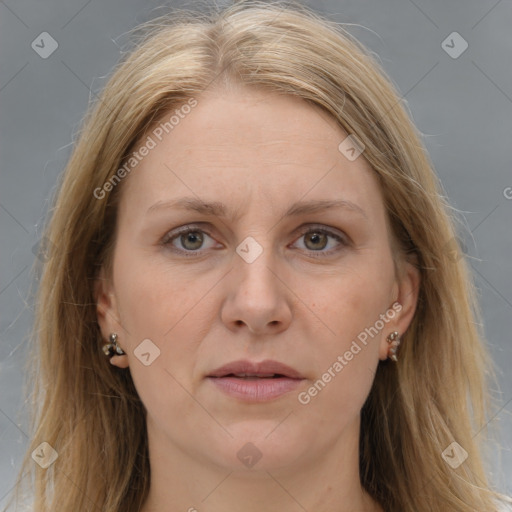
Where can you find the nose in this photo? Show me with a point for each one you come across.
(257, 297)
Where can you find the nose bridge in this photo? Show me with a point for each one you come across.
(257, 258)
(253, 263)
(256, 297)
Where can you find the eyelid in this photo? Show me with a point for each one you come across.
(336, 233)
(175, 232)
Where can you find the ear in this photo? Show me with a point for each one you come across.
(405, 299)
(107, 315)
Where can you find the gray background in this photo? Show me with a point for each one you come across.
(462, 106)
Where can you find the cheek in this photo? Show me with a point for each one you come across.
(155, 299)
(171, 309)
(354, 298)
(352, 307)
(167, 307)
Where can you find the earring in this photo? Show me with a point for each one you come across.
(394, 342)
(112, 348)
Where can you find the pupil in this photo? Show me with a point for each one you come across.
(194, 237)
(316, 237)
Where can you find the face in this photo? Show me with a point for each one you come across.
(298, 296)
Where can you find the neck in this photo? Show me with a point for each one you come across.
(329, 483)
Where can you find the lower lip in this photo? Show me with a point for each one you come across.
(257, 390)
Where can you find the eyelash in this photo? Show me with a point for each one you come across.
(171, 236)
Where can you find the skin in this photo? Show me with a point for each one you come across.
(258, 153)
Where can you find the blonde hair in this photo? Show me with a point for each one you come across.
(89, 411)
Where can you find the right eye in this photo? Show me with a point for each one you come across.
(187, 240)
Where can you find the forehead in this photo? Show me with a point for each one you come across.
(244, 144)
(254, 122)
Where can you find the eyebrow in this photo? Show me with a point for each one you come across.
(218, 209)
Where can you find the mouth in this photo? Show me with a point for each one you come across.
(261, 370)
(255, 382)
(248, 376)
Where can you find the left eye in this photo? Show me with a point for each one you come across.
(317, 239)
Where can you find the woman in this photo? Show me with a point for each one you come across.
(249, 230)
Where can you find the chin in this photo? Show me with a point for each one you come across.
(260, 446)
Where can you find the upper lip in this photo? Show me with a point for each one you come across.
(266, 368)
